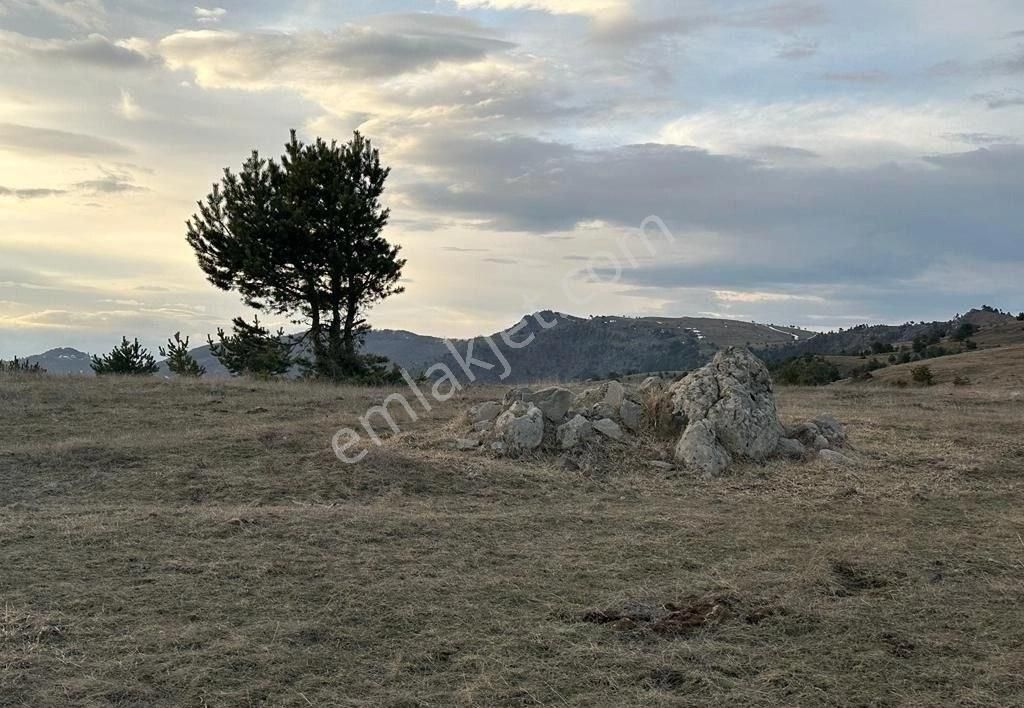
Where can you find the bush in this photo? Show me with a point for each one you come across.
(127, 358)
(965, 332)
(806, 370)
(923, 375)
(20, 366)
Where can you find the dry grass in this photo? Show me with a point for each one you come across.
(198, 544)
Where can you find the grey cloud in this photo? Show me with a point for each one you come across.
(856, 77)
(375, 50)
(776, 224)
(93, 51)
(32, 193)
(798, 50)
(1001, 99)
(979, 138)
(24, 138)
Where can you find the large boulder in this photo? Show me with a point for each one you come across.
(733, 401)
(553, 402)
(520, 432)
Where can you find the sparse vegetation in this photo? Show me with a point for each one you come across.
(126, 359)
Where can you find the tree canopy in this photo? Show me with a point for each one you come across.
(302, 237)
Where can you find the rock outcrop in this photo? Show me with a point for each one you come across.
(720, 414)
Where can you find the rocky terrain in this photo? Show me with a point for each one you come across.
(720, 413)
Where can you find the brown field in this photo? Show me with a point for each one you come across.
(176, 543)
(1001, 367)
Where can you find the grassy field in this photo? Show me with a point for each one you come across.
(175, 543)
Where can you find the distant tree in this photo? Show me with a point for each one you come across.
(302, 237)
(127, 358)
(964, 332)
(20, 366)
(252, 350)
(179, 360)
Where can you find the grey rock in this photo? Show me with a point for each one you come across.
(734, 394)
(631, 414)
(485, 412)
(521, 432)
(791, 449)
(832, 429)
(574, 432)
(553, 402)
(614, 394)
(699, 450)
(609, 428)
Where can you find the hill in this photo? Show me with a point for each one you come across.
(574, 348)
(998, 366)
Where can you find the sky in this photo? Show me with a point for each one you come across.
(820, 163)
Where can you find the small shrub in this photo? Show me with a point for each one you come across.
(923, 375)
(127, 358)
(20, 366)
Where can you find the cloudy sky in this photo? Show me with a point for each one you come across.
(813, 162)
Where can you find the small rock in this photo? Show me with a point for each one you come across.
(834, 458)
(609, 428)
(652, 384)
(485, 412)
(631, 414)
(574, 432)
(553, 402)
(614, 394)
(521, 432)
(791, 449)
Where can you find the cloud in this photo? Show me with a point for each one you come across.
(632, 28)
(797, 50)
(31, 193)
(93, 51)
(857, 77)
(1001, 99)
(29, 139)
(209, 15)
(221, 58)
(741, 225)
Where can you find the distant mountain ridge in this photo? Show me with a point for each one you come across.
(564, 347)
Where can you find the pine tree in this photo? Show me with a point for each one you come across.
(179, 360)
(129, 358)
(252, 350)
(302, 237)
